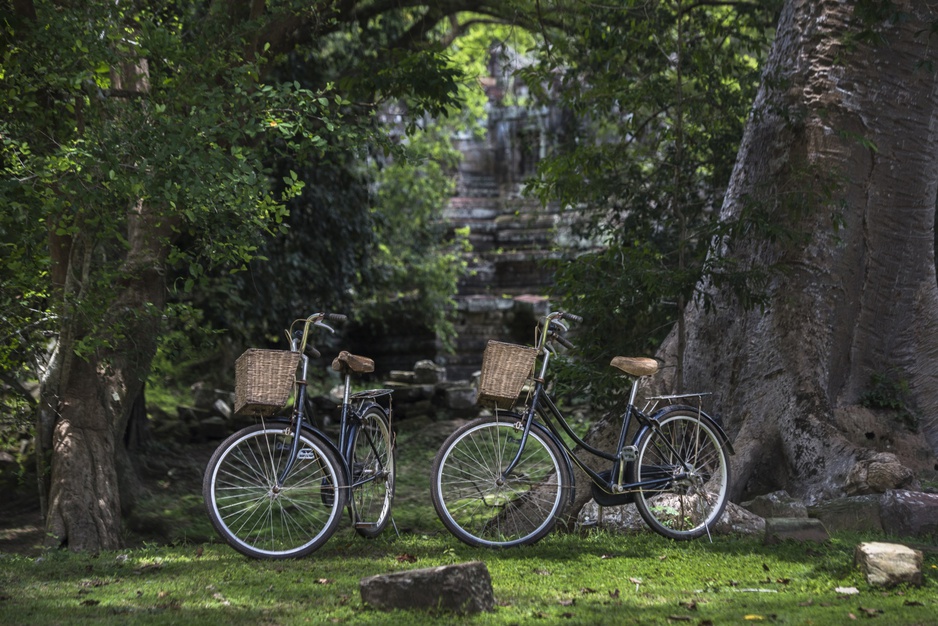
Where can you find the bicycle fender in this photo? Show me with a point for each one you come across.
(716, 423)
(325, 440)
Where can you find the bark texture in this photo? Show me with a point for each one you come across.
(840, 148)
(92, 479)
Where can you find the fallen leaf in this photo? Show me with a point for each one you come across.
(847, 591)
(586, 590)
(221, 599)
(870, 612)
(690, 606)
(198, 552)
(912, 603)
(783, 581)
(569, 602)
(324, 581)
(614, 594)
(851, 616)
(635, 581)
(90, 602)
(406, 558)
(753, 617)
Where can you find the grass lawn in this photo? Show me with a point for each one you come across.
(588, 578)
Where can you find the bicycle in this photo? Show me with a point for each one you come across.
(504, 480)
(276, 489)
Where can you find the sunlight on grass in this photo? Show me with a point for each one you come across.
(594, 578)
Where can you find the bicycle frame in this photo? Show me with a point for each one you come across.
(349, 422)
(623, 455)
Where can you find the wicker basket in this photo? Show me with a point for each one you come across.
(263, 380)
(505, 367)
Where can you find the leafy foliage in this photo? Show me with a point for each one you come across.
(659, 94)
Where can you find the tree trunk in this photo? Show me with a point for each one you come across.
(841, 148)
(91, 479)
(840, 151)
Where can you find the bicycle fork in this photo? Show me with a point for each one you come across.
(297, 426)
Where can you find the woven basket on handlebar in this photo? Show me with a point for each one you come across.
(263, 380)
(505, 367)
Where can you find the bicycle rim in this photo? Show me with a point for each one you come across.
(373, 474)
(255, 517)
(482, 508)
(687, 451)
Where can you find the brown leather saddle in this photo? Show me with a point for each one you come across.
(349, 363)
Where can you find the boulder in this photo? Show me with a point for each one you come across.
(737, 520)
(889, 564)
(462, 588)
(776, 504)
(909, 513)
(878, 473)
(625, 518)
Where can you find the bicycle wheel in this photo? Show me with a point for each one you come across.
(254, 516)
(482, 507)
(372, 468)
(687, 450)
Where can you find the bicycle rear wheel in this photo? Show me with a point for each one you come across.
(482, 507)
(373, 473)
(257, 518)
(687, 456)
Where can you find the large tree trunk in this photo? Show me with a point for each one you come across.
(843, 131)
(92, 479)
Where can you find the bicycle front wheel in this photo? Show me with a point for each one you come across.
(684, 462)
(257, 517)
(373, 473)
(483, 507)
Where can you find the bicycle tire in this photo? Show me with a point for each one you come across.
(480, 508)
(260, 521)
(684, 508)
(373, 473)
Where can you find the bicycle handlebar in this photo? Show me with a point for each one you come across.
(554, 329)
(298, 338)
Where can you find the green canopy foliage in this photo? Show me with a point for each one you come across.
(658, 95)
(255, 141)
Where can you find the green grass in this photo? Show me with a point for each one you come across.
(597, 578)
(588, 578)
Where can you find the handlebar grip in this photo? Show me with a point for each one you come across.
(572, 317)
(336, 317)
(313, 352)
(563, 341)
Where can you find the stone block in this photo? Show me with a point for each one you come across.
(889, 564)
(800, 529)
(429, 373)
(854, 513)
(462, 588)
